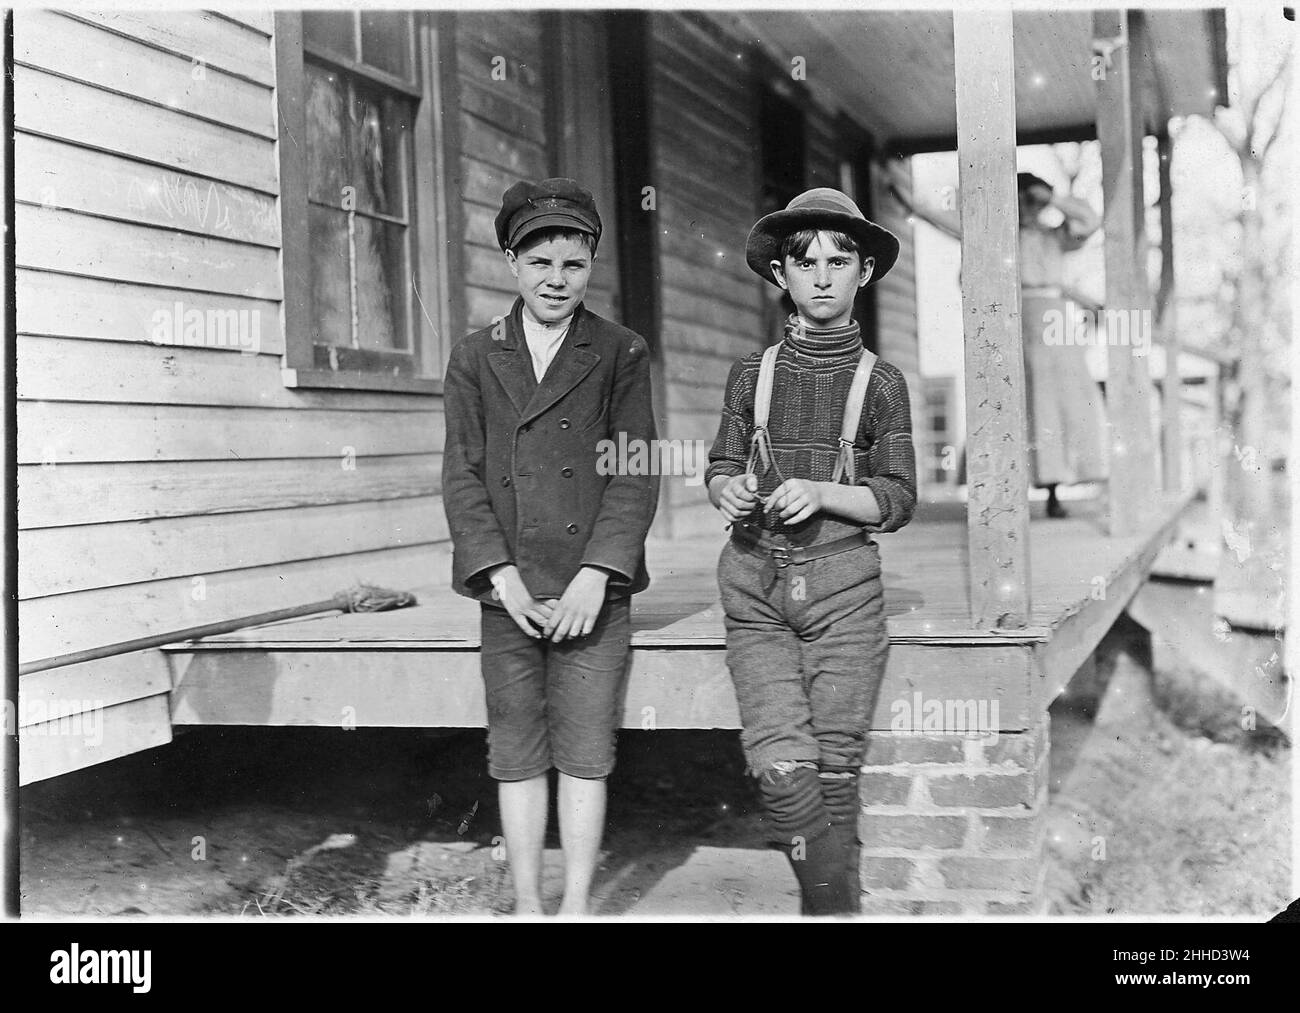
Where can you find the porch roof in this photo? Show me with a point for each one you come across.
(893, 70)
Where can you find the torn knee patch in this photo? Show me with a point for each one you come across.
(790, 766)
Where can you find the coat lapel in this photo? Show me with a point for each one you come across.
(573, 361)
(512, 364)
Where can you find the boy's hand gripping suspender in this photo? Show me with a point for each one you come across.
(760, 444)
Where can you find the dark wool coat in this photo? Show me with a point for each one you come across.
(521, 480)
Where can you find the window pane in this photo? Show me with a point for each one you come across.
(380, 138)
(328, 135)
(385, 41)
(382, 284)
(331, 300)
(334, 30)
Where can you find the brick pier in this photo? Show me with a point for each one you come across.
(954, 825)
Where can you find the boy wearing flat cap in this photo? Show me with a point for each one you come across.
(551, 545)
(813, 455)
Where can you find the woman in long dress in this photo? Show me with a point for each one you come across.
(1066, 408)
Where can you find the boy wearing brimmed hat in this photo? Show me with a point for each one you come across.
(813, 455)
(543, 536)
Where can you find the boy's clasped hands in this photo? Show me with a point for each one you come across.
(795, 499)
(567, 617)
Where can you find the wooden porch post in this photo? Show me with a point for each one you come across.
(1167, 323)
(997, 513)
(1120, 131)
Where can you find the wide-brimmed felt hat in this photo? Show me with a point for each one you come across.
(559, 202)
(822, 208)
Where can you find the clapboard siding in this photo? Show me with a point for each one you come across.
(163, 480)
(128, 372)
(85, 494)
(487, 102)
(516, 35)
(50, 239)
(55, 174)
(70, 306)
(53, 106)
(88, 556)
(197, 36)
(54, 433)
(105, 682)
(58, 747)
(480, 225)
(86, 53)
(732, 291)
(503, 151)
(262, 22)
(724, 343)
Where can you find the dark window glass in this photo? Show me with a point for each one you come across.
(385, 42)
(335, 30)
(359, 142)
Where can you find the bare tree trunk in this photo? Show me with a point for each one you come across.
(1251, 499)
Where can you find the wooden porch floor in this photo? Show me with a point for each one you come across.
(419, 666)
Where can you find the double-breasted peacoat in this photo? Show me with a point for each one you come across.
(526, 477)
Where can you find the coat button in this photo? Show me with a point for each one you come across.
(564, 423)
(566, 472)
(572, 529)
(505, 480)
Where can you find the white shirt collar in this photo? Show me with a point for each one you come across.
(544, 341)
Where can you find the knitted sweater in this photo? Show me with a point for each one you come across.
(814, 370)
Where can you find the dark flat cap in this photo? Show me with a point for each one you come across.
(822, 208)
(553, 203)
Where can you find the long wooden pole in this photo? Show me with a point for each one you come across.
(362, 599)
(997, 512)
(1167, 313)
(1119, 131)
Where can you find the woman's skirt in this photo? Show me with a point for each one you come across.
(1067, 412)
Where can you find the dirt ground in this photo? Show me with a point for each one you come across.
(284, 821)
(1163, 804)
(259, 822)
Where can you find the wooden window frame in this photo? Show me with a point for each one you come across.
(433, 253)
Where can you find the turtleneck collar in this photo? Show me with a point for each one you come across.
(823, 342)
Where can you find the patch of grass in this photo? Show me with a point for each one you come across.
(1173, 808)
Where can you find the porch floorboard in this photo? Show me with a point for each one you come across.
(419, 666)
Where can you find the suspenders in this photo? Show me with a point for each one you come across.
(760, 445)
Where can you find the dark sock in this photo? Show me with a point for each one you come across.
(818, 864)
(840, 795)
(803, 830)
